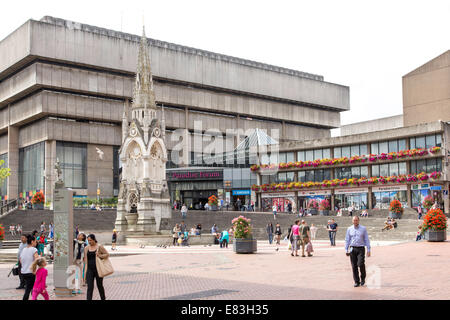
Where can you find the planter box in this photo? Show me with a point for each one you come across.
(38, 206)
(313, 212)
(395, 215)
(1, 243)
(324, 212)
(244, 245)
(436, 236)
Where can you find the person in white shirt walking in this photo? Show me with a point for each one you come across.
(274, 210)
(184, 210)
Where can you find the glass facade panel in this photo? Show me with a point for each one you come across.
(438, 165)
(363, 149)
(31, 167)
(327, 174)
(337, 152)
(318, 154)
(412, 143)
(402, 168)
(356, 172)
(309, 175)
(376, 170)
(309, 155)
(384, 170)
(365, 171)
(393, 169)
(73, 159)
(402, 144)
(343, 173)
(301, 176)
(438, 140)
(326, 153)
(393, 146)
(383, 147)
(420, 142)
(290, 176)
(318, 176)
(374, 148)
(430, 141)
(354, 150)
(346, 152)
(282, 158)
(290, 157)
(301, 156)
(3, 185)
(421, 166)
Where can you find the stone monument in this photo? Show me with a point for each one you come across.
(144, 200)
(63, 234)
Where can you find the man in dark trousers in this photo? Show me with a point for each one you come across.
(356, 240)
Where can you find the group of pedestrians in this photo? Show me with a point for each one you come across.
(15, 230)
(33, 272)
(300, 235)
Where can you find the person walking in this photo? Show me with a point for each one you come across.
(313, 230)
(40, 286)
(114, 240)
(91, 252)
(51, 230)
(332, 229)
(350, 211)
(78, 257)
(269, 230)
(356, 239)
(274, 210)
(43, 227)
(295, 236)
(23, 244)
(419, 212)
(27, 257)
(175, 232)
(183, 227)
(184, 211)
(305, 237)
(278, 234)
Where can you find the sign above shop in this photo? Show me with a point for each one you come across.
(315, 193)
(194, 175)
(242, 192)
(390, 188)
(278, 195)
(353, 190)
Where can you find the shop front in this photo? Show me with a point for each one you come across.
(304, 197)
(382, 196)
(420, 191)
(194, 187)
(241, 198)
(280, 199)
(344, 198)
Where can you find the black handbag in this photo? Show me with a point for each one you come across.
(15, 270)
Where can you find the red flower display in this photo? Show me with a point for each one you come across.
(434, 220)
(38, 198)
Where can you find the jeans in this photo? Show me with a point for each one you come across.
(332, 235)
(90, 276)
(270, 238)
(29, 283)
(224, 243)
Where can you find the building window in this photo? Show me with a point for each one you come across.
(31, 167)
(427, 166)
(72, 158)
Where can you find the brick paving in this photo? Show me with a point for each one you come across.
(408, 270)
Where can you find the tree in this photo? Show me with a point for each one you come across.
(4, 172)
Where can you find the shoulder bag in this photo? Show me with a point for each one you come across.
(104, 266)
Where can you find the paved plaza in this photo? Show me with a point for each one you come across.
(408, 270)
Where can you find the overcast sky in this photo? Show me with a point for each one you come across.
(366, 45)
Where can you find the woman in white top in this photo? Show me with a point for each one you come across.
(274, 210)
(27, 257)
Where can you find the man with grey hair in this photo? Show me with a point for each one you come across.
(356, 240)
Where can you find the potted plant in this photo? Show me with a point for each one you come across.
(434, 226)
(2, 235)
(38, 201)
(395, 209)
(312, 207)
(428, 202)
(213, 202)
(324, 207)
(243, 241)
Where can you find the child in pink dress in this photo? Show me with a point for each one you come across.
(40, 286)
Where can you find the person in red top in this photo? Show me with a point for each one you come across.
(40, 286)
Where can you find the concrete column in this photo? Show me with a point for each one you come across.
(186, 140)
(447, 199)
(370, 200)
(283, 130)
(50, 173)
(13, 163)
(409, 195)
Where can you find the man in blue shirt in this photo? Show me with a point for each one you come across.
(356, 240)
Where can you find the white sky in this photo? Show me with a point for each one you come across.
(366, 45)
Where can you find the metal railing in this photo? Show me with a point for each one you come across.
(8, 207)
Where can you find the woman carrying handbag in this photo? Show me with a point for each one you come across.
(96, 258)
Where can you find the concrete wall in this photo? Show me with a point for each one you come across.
(62, 40)
(372, 125)
(426, 92)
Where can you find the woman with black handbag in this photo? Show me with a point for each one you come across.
(27, 257)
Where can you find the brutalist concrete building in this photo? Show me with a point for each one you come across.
(63, 86)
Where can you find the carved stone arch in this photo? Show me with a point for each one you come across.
(161, 144)
(133, 201)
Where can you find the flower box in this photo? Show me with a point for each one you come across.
(435, 236)
(244, 245)
(395, 215)
(324, 212)
(38, 206)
